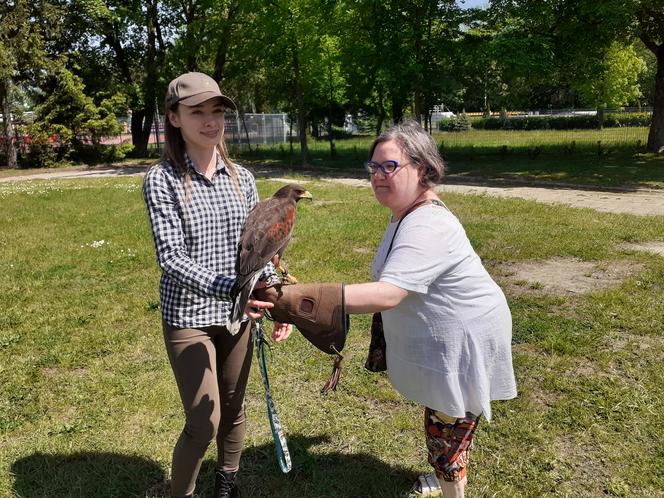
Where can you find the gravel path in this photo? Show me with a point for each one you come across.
(638, 202)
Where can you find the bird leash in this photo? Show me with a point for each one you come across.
(281, 446)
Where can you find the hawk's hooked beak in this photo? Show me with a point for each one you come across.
(305, 195)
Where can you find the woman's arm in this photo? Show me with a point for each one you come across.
(372, 297)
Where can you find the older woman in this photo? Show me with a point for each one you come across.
(447, 325)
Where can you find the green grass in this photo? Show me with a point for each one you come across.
(89, 408)
(613, 157)
(630, 136)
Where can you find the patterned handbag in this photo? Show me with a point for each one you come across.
(376, 360)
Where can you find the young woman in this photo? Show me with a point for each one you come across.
(197, 200)
(447, 325)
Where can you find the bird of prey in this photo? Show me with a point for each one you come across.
(266, 233)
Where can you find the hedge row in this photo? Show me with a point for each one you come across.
(583, 122)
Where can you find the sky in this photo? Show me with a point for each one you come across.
(473, 3)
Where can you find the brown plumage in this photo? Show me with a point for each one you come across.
(266, 234)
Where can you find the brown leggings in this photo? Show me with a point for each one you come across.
(211, 369)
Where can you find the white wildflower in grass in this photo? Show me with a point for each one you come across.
(95, 244)
(128, 187)
(41, 187)
(37, 187)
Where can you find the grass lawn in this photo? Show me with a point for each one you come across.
(89, 408)
(613, 157)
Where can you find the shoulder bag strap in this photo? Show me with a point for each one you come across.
(410, 210)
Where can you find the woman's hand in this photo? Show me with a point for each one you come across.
(281, 331)
(255, 309)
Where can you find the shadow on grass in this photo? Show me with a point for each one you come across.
(314, 474)
(84, 474)
(622, 167)
(621, 172)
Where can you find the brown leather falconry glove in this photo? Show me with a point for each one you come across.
(319, 313)
(317, 310)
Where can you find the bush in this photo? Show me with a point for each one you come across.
(459, 122)
(578, 122)
(94, 154)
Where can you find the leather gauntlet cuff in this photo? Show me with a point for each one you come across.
(317, 310)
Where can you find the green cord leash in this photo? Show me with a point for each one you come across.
(281, 447)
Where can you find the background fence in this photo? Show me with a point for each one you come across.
(544, 127)
(240, 129)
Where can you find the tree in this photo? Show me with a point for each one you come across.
(613, 80)
(284, 37)
(365, 57)
(396, 56)
(23, 56)
(582, 34)
(131, 33)
(73, 116)
(650, 27)
(647, 77)
(207, 34)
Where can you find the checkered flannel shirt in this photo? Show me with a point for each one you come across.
(196, 240)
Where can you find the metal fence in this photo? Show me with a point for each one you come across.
(268, 129)
(247, 130)
(240, 130)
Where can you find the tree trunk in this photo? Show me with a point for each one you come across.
(299, 99)
(379, 123)
(148, 120)
(315, 130)
(142, 128)
(380, 108)
(225, 41)
(7, 128)
(397, 110)
(330, 134)
(189, 11)
(302, 124)
(600, 117)
(656, 133)
(418, 102)
(138, 138)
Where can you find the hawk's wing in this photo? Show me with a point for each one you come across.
(267, 231)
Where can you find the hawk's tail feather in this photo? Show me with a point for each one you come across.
(239, 303)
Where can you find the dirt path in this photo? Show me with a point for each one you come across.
(637, 202)
(640, 202)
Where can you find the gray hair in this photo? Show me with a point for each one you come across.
(416, 143)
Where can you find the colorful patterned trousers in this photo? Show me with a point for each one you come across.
(449, 441)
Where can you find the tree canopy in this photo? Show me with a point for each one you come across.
(320, 60)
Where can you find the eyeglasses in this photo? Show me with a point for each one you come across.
(387, 167)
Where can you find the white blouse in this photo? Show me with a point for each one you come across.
(449, 341)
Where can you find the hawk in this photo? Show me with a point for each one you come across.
(267, 231)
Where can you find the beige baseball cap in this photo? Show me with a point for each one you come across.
(193, 88)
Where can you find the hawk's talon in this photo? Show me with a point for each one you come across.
(286, 278)
(289, 280)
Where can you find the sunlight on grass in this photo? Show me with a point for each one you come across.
(89, 408)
